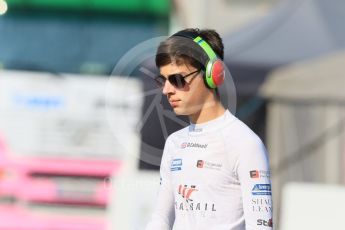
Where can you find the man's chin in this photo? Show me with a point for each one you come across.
(180, 112)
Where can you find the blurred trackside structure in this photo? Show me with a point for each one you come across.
(58, 150)
(306, 123)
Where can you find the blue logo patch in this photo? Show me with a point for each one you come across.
(176, 165)
(261, 189)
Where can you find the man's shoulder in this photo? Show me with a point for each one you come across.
(239, 133)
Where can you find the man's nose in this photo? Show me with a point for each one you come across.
(168, 88)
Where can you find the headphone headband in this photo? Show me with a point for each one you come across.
(200, 41)
(187, 34)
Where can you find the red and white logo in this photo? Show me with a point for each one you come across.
(186, 191)
(200, 164)
(254, 174)
(208, 165)
(260, 174)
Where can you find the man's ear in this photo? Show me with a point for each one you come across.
(204, 79)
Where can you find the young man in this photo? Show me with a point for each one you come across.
(215, 172)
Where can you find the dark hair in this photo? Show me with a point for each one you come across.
(184, 51)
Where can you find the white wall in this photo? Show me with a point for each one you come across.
(222, 15)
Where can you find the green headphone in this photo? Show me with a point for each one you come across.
(214, 74)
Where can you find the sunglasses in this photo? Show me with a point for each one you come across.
(177, 79)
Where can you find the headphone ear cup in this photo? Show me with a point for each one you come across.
(218, 72)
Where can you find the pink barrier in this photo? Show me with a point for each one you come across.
(37, 180)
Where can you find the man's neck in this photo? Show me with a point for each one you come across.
(210, 111)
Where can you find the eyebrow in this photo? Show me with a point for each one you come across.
(182, 73)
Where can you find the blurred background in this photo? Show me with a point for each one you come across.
(82, 126)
